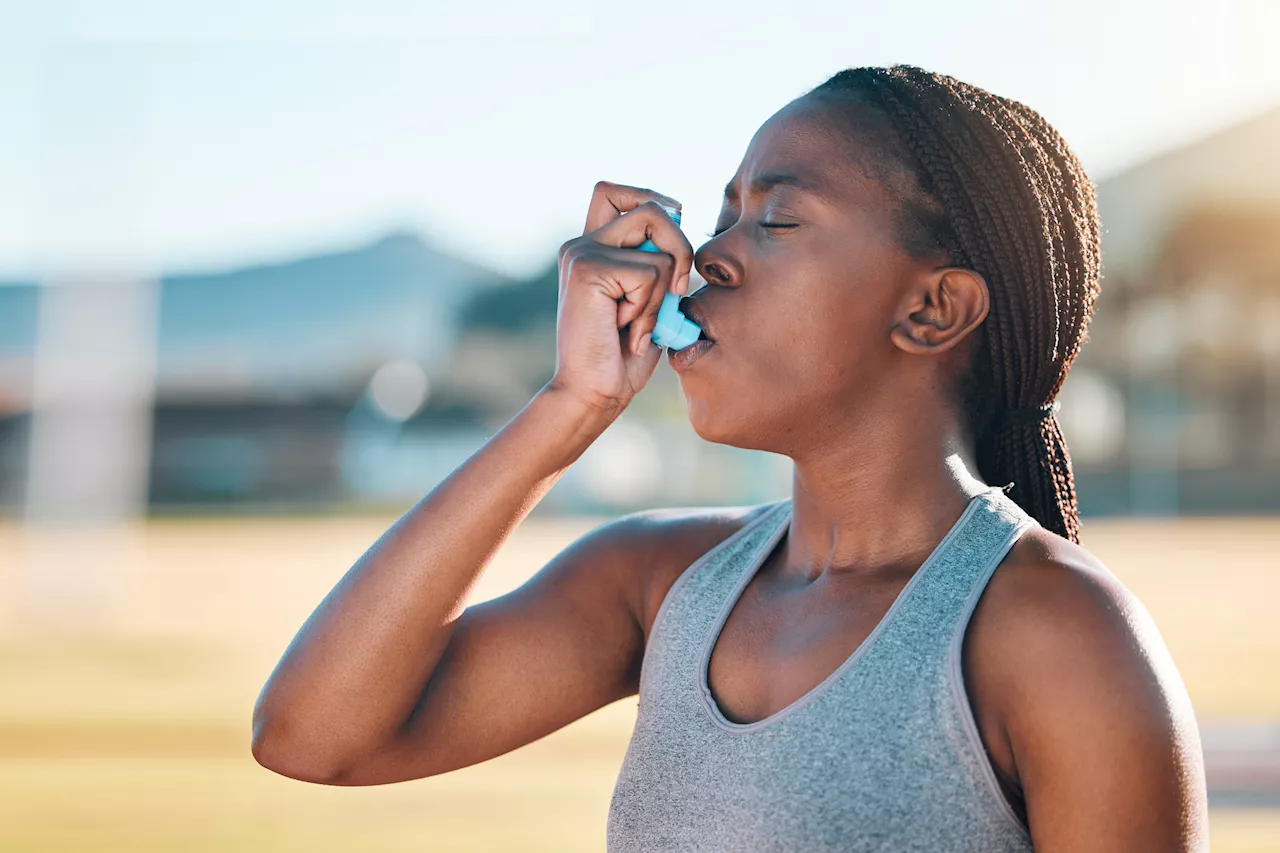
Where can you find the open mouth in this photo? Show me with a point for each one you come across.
(683, 358)
(692, 311)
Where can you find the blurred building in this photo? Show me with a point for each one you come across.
(366, 376)
(1174, 403)
(257, 371)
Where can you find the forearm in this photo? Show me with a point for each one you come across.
(357, 667)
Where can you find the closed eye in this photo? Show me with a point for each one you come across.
(761, 224)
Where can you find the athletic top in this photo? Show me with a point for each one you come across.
(883, 754)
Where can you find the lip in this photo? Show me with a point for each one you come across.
(683, 359)
(690, 308)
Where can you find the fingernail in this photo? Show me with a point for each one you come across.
(644, 345)
(684, 284)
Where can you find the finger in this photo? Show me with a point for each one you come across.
(649, 352)
(626, 275)
(650, 222)
(643, 289)
(610, 200)
(641, 286)
(643, 325)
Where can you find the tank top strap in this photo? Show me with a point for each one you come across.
(944, 590)
(689, 609)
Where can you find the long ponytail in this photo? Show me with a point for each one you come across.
(1004, 196)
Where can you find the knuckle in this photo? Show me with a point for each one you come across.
(568, 248)
(571, 267)
(584, 265)
(603, 187)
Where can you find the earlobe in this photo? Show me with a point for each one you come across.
(940, 311)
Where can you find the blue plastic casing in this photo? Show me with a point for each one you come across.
(672, 329)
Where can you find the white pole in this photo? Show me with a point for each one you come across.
(90, 447)
(94, 373)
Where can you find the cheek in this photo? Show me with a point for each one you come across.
(810, 359)
(827, 363)
(831, 333)
(826, 322)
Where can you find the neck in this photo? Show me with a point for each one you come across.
(880, 498)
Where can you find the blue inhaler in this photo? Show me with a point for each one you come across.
(672, 329)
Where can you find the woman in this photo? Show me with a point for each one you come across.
(900, 656)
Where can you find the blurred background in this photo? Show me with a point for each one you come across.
(271, 271)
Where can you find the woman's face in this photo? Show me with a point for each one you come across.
(803, 279)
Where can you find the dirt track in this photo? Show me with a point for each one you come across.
(132, 731)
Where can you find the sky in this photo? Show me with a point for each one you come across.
(151, 136)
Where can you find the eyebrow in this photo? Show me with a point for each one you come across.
(769, 180)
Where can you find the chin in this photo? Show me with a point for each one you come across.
(718, 425)
(707, 419)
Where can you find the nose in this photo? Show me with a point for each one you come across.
(713, 265)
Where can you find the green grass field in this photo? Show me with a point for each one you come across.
(130, 660)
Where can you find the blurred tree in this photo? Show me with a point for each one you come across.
(515, 307)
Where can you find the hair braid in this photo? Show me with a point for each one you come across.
(1002, 194)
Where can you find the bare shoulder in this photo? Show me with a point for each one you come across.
(1095, 713)
(1052, 599)
(655, 546)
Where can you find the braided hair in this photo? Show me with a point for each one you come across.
(999, 192)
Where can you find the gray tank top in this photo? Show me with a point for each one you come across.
(884, 754)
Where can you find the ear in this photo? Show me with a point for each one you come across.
(939, 310)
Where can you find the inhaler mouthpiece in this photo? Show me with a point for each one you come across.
(673, 330)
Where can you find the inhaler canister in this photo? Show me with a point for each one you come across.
(672, 329)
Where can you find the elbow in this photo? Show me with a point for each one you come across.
(277, 750)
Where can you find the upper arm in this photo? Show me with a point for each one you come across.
(1102, 730)
(520, 666)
